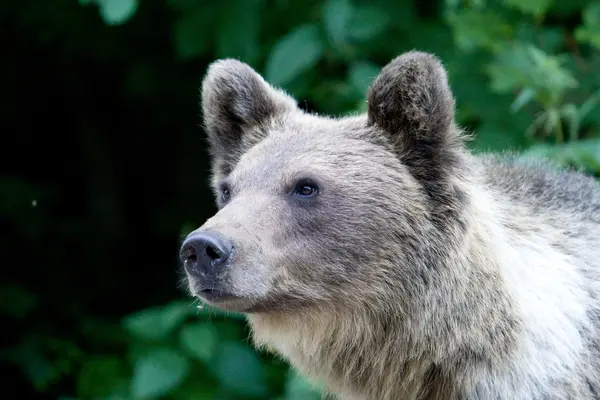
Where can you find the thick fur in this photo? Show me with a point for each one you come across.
(419, 271)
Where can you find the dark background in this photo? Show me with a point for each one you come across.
(104, 164)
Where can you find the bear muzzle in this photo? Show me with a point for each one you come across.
(206, 256)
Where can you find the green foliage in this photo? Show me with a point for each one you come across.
(114, 12)
(525, 74)
(294, 53)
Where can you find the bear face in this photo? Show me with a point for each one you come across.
(328, 212)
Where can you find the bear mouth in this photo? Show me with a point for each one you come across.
(217, 295)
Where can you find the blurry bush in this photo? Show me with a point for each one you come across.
(526, 75)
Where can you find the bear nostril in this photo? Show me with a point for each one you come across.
(189, 256)
(206, 252)
(213, 253)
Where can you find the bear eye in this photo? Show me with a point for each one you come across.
(225, 194)
(306, 189)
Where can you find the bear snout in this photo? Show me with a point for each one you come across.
(205, 256)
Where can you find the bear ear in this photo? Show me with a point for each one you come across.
(237, 104)
(412, 103)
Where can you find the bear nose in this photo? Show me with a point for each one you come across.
(205, 252)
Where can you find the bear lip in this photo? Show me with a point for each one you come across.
(224, 300)
(212, 294)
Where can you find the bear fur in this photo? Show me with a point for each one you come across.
(415, 270)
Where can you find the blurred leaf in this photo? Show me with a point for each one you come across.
(336, 15)
(534, 7)
(158, 322)
(193, 32)
(525, 96)
(589, 105)
(583, 154)
(590, 30)
(43, 360)
(297, 388)
(200, 340)
(550, 39)
(117, 12)
(159, 372)
(16, 301)
(524, 65)
(491, 137)
(367, 22)
(239, 368)
(591, 14)
(292, 54)
(361, 74)
(238, 30)
(479, 29)
(102, 376)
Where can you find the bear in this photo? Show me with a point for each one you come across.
(383, 258)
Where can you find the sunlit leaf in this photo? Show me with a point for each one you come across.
(524, 65)
(479, 29)
(525, 96)
(157, 322)
(583, 154)
(238, 368)
(292, 54)
(200, 339)
(336, 15)
(361, 74)
(590, 30)
(590, 104)
(157, 373)
(117, 12)
(367, 22)
(297, 388)
(534, 7)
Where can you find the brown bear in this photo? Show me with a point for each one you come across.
(382, 258)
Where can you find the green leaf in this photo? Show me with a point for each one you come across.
(117, 12)
(492, 137)
(158, 373)
(239, 369)
(583, 154)
(524, 65)
(590, 30)
(297, 388)
(525, 96)
(38, 369)
(193, 33)
(158, 322)
(102, 376)
(361, 74)
(367, 21)
(479, 29)
(534, 7)
(238, 30)
(297, 51)
(336, 15)
(200, 340)
(591, 14)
